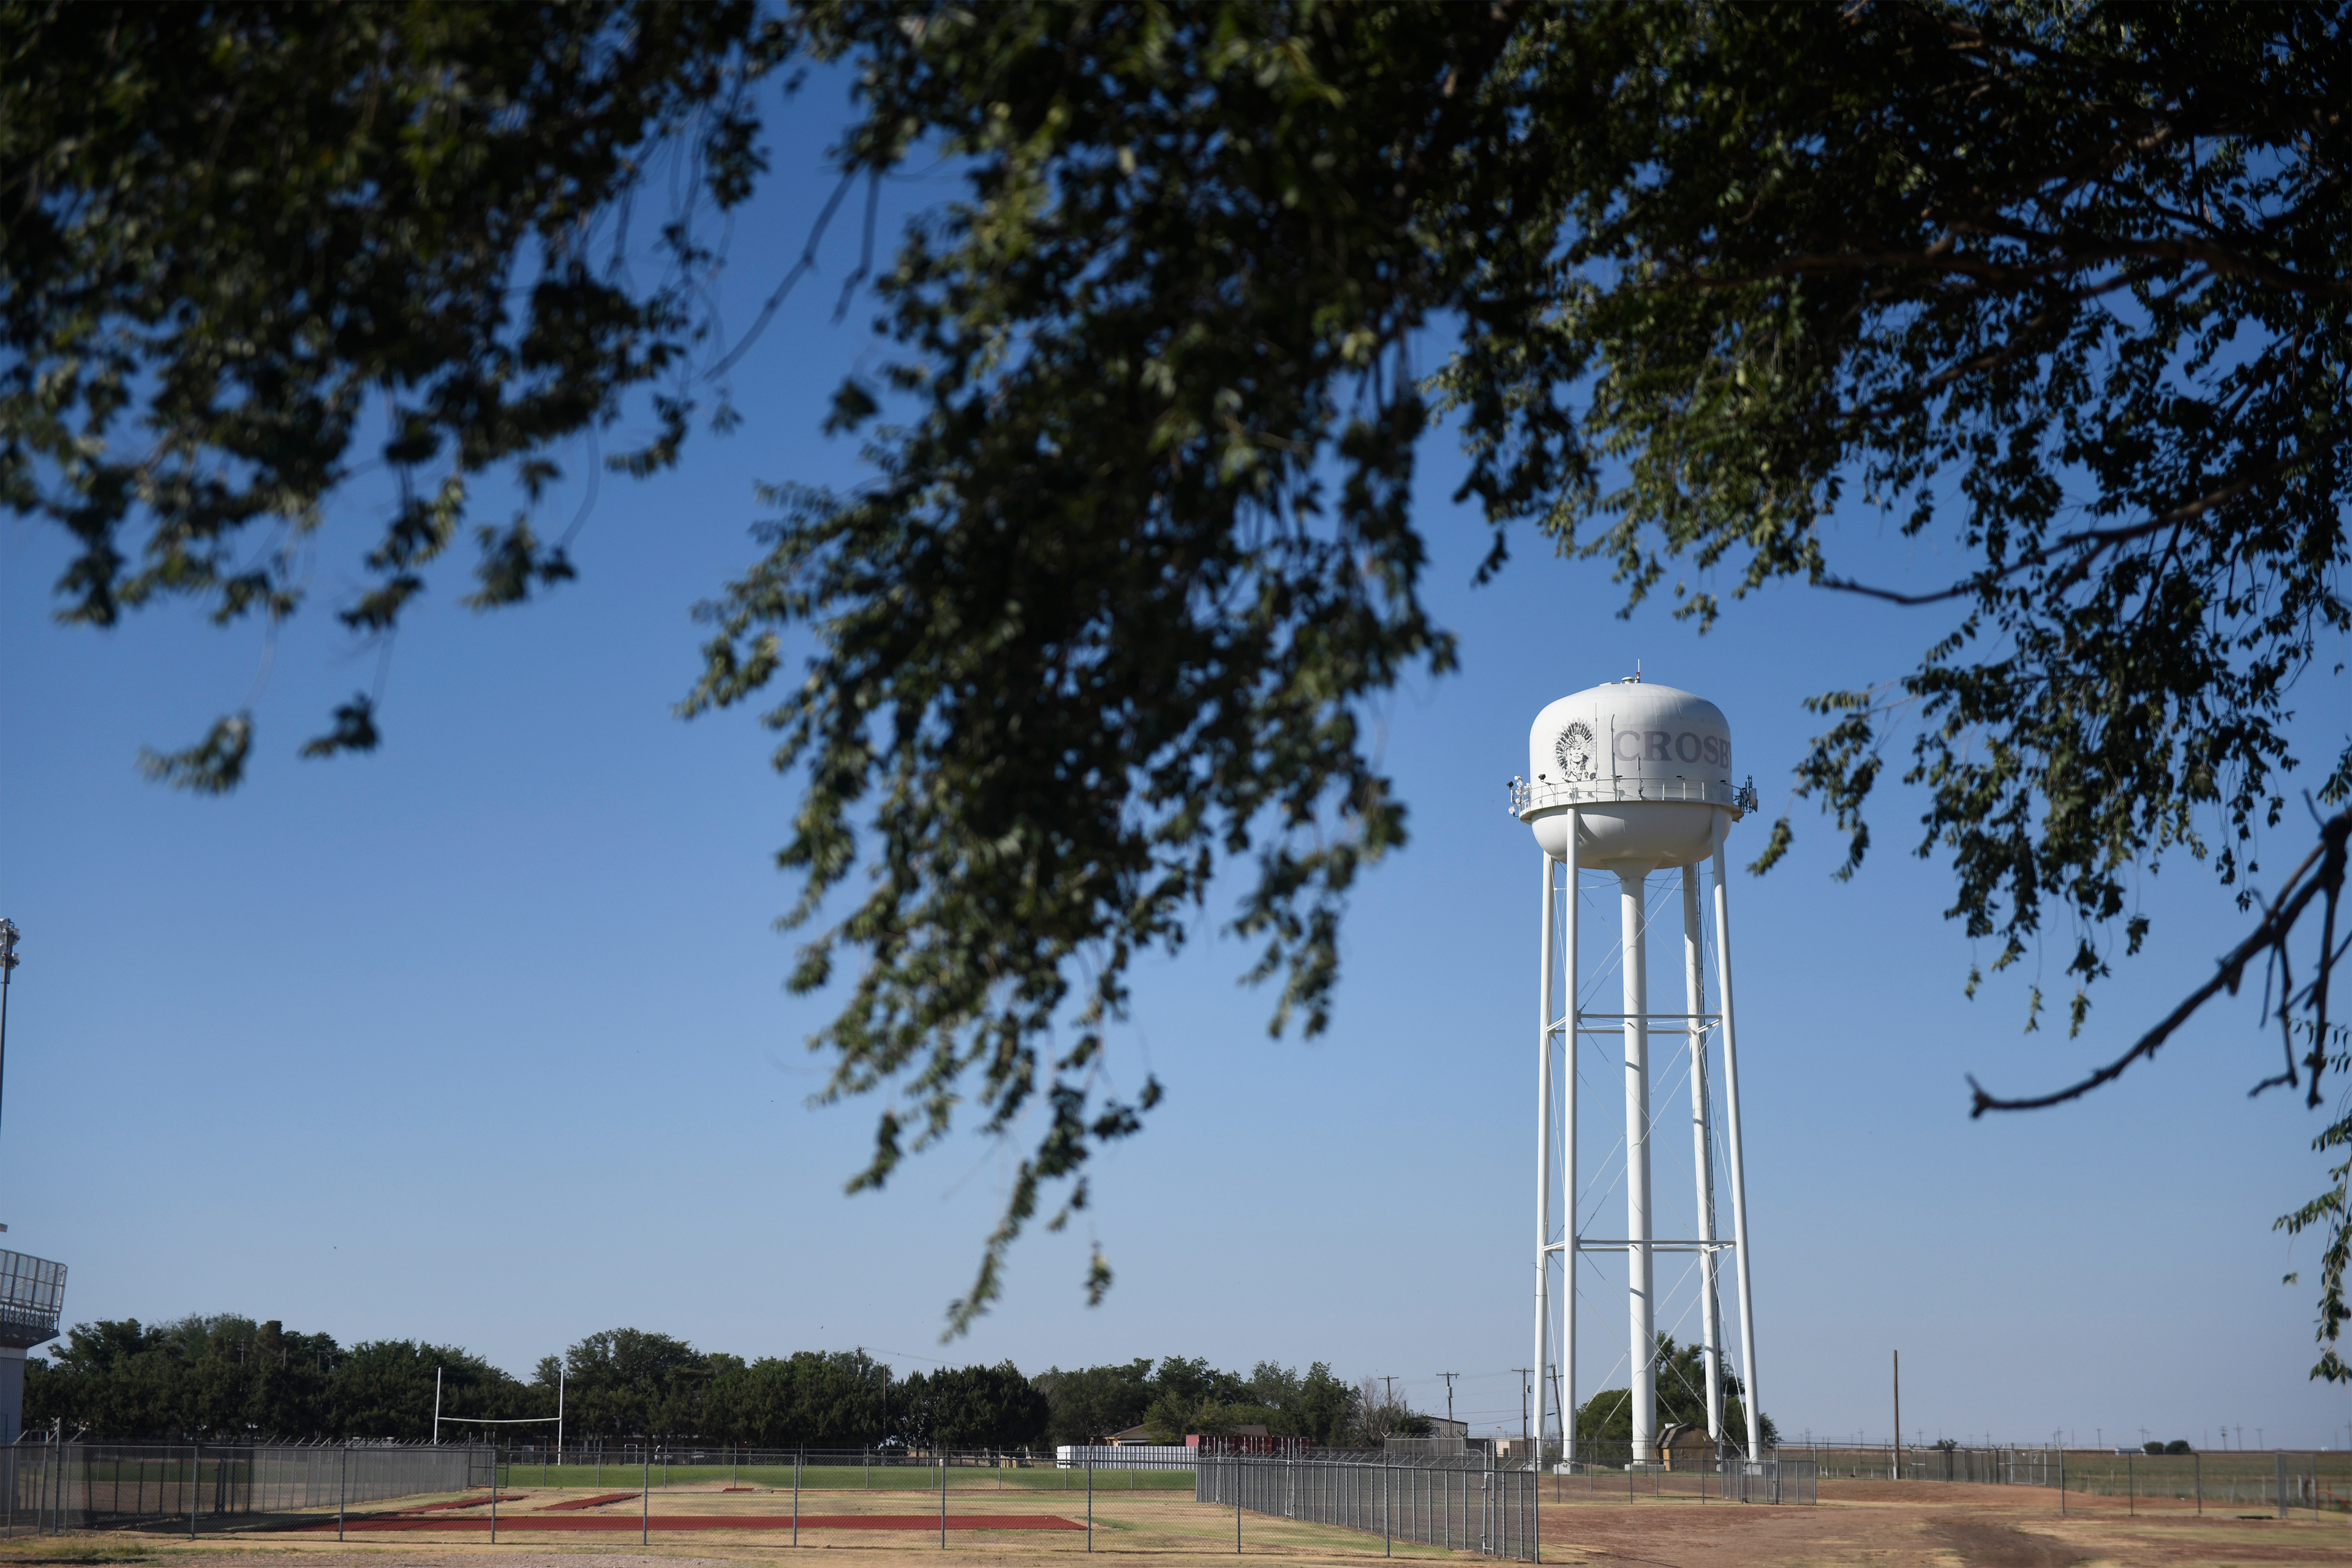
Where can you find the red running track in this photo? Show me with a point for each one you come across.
(673, 1522)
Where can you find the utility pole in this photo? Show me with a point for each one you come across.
(1525, 1436)
(8, 935)
(1449, 1377)
(1391, 1383)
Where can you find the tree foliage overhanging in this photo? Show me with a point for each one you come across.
(2060, 290)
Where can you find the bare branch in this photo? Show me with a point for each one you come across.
(2269, 936)
(2095, 538)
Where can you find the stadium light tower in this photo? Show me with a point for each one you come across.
(32, 1289)
(1626, 779)
(8, 935)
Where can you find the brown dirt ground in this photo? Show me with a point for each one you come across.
(1858, 1524)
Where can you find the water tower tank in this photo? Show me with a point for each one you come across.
(1648, 768)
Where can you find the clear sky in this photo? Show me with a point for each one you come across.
(483, 1040)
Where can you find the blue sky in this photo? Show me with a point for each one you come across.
(483, 1040)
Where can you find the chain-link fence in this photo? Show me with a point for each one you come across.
(890, 1469)
(50, 1487)
(1457, 1507)
(2275, 1482)
(1604, 1472)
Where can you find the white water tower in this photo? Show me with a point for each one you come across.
(1624, 780)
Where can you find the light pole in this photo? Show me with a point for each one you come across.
(8, 935)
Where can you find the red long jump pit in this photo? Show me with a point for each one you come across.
(615, 1523)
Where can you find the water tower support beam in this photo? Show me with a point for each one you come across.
(1640, 1299)
(1754, 1402)
(1710, 1315)
(1544, 1025)
(1569, 1038)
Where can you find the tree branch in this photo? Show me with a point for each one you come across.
(2270, 936)
(2096, 539)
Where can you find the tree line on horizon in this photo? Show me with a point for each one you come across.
(225, 1377)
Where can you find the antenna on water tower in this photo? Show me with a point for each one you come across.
(1626, 779)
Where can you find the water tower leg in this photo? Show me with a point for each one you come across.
(1544, 1017)
(1642, 1316)
(1710, 1314)
(1754, 1401)
(1565, 1390)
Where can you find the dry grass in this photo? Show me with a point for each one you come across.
(1857, 1525)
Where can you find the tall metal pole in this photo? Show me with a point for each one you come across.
(558, 1419)
(1710, 1310)
(1642, 1341)
(437, 1410)
(1754, 1396)
(1898, 1415)
(1564, 1367)
(1544, 1017)
(8, 935)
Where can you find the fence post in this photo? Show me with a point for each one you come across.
(1235, 1465)
(344, 1490)
(2061, 1478)
(646, 1499)
(1388, 1539)
(494, 1492)
(2131, 1504)
(2200, 1460)
(1090, 1496)
(943, 1499)
(796, 1496)
(2281, 1456)
(196, 1471)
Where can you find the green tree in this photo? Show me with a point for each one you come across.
(836, 1399)
(1091, 1403)
(1608, 1417)
(228, 1376)
(387, 1388)
(971, 1407)
(635, 1382)
(2060, 290)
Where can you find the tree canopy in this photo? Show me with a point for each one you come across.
(231, 1377)
(1608, 1417)
(2062, 289)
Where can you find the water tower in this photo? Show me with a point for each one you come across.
(1624, 780)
